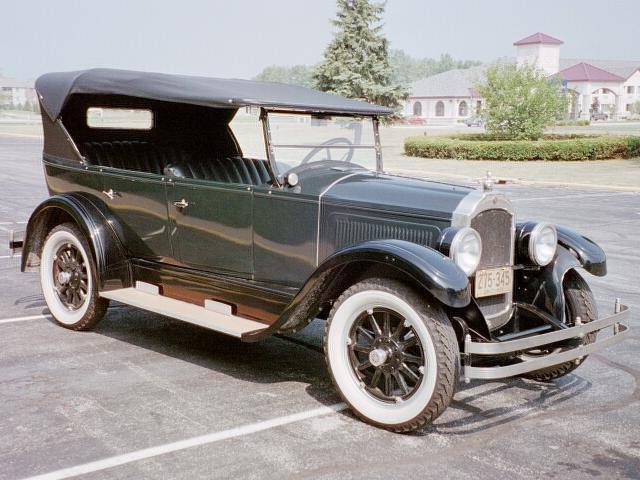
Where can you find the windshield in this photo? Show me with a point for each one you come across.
(304, 141)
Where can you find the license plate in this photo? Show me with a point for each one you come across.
(493, 281)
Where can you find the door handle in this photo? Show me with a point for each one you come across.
(110, 193)
(181, 204)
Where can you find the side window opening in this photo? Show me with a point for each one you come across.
(119, 118)
(183, 141)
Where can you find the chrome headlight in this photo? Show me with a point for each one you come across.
(465, 250)
(543, 241)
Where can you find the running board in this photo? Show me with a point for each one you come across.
(214, 317)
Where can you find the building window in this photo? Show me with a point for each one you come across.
(478, 107)
(630, 89)
(417, 109)
(463, 110)
(628, 107)
(440, 109)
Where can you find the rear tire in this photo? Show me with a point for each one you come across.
(398, 371)
(67, 277)
(580, 302)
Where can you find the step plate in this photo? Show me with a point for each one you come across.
(187, 312)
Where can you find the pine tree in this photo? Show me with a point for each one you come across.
(356, 62)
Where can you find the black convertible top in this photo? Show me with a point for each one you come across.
(54, 90)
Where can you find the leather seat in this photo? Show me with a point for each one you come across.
(154, 158)
(247, 171)
(132, 155)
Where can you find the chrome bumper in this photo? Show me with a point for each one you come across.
(621, 314)
(16, 241)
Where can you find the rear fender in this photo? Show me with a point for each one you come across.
(112, 267)
(423, 266)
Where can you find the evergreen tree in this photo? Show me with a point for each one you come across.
(356, 62)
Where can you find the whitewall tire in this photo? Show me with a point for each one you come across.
(392, 356)
(67, 277)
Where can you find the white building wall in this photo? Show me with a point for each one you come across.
(545, 57)
(451, 108)
(630, 92)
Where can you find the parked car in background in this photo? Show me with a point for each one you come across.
(474, 121)
(155, 204)
(595, 116)
(415, 120)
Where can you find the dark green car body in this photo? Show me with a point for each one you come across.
(235, 230)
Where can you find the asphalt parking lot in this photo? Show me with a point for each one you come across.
(145, 396)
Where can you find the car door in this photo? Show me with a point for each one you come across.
(138, 203)
(285, 234)
(212, 225)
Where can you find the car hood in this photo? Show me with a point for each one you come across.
(393, 193)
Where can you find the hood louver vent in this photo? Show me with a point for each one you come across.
(351, 231)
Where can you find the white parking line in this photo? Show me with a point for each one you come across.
(24, 319)
(17, 255)
(48, 315)
(117, 460)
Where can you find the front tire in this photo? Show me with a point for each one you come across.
(392, 356)
(579, 302)
(67, 277)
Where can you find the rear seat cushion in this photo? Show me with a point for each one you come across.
(133, 155)
(154, 158)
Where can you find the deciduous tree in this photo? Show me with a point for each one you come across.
(520, 101)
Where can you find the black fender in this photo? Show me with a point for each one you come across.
(591, 257)
(430, 269)
(543, 287)
(112, 266)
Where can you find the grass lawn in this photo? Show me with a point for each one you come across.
(612, 174)
(21, 129)
(622, 174)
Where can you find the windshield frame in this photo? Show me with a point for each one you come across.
(270, 146)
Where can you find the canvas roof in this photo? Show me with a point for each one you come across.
(55, 88)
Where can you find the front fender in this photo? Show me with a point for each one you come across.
(542, 287)
(591, 257)
(433, 271)
(112, 266)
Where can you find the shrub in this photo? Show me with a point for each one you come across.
(520, 101)
(551, 148)
(572, 123)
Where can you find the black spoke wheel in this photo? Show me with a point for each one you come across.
(392, 355)
(70, 276)
(68, 279)
(386, 355)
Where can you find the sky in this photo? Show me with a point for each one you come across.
(238, 38)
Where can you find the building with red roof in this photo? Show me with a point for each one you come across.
(607, 87)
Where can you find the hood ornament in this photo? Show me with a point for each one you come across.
(487, 182)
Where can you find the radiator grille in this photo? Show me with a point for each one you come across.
(350, 231)
(494, 227)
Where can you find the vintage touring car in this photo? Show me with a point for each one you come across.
(156, 202)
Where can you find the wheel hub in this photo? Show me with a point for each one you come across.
(386, 355)
(64, 277)
(378, 356)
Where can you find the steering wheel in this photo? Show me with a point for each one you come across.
(327, 146)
